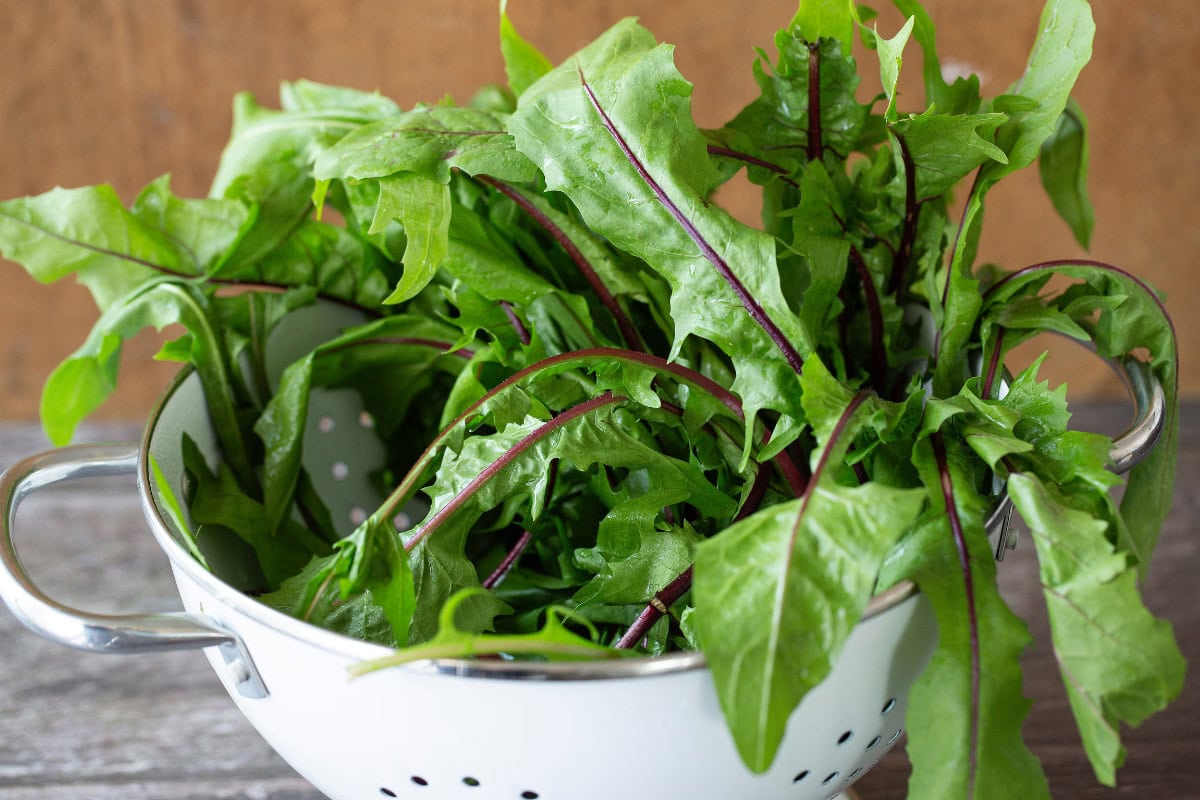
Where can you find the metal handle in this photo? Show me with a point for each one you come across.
(128, 633)
(1150, 415)
(1128, 449)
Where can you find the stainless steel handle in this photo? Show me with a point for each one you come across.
(102, 633)
(1128, 449)
(1150, 415)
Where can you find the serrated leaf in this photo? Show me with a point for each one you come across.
(612, 129)
(891, 56)
(1118, 662)
(88, 233)
(429, 142)
(945, 148)
(422, 206)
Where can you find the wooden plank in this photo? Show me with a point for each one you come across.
(120, 92)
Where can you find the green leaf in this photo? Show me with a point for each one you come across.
(961, 97)
(833, 19)
(1062, 49)
(1063, 166)
(938, 721)
(204, 231)
(488, 470)
(945, 148)
(174, 509)
(400, 350)
(1119, 663)
(523, 63)
(304, 95)
(891, 56)
(423, 207)
(267, 164)
(364, 588)
(1139, 322)
(218, 500)
(821, 239)
(634, 556)
(773, 127)
(329, 258)
(88, 233)
(481, 257)
(777, 593)
(554, 641)
(429, 142)
(82, 382)
(617, 276)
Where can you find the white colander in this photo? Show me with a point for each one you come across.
(476, 730)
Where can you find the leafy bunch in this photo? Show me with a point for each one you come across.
(627, 421)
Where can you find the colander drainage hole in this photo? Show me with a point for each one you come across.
(340, 470)
(801, 776)
(529, 795)
(889, 705)
(386, 792)
(871, 744)
(830, 778)
(471, 781)
(419, 781)
(895, 735)
(845, 737)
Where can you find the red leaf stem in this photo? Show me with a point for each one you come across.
(655, 610)
(993, 366)
(878, 367)
(517, 324)
(911, 211)
(628, 331)
(964, 562)
(814, 102)
(510, 560)
(715, 150)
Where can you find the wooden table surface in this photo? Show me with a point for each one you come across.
(160, 727)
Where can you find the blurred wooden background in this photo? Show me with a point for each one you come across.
(121, 91)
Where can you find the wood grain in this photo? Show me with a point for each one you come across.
(160, 727)
(122, 91)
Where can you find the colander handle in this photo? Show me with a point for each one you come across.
(1128, 449)
(1149, 417)
(99, 633)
